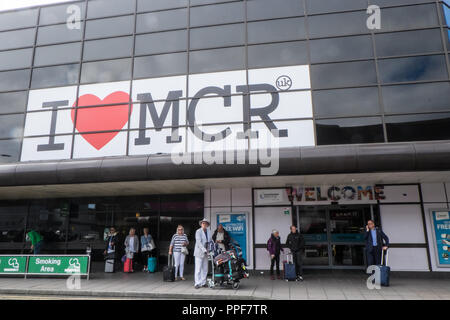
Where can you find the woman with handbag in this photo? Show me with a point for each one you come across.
(178, 247)
(131, 247)
(147, 247)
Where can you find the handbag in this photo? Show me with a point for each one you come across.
(184, 250)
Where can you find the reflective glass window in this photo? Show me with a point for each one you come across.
(338, 24)
(162, 20)
(267, 9)
(57, 33)
(217, 14)
(11, 102)
(62, 13)
(108, 48)
(343, 74)
(14, 80)
(9, 152)
(55, 76)
(15, 59)
(105, 8)
(11, 125)
(217, 60)
(17, 39)
(349, 131)
(276, 30)
(160, 65)
(106, 71)
(411, 17)
(217, 36)
(278, 54)
(346, 102)
(336, 49)
(324, 6)
(161, 42)
(58, 54)
(153, 5)
(109, 27)
(418, 127)
(413, 69)
(18, 19)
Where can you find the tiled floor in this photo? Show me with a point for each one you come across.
(317, 285)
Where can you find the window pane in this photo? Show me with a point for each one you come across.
(401, 18)
(9, 151)
(13, 216)
(145, 5)
(348, 48)
(346, 102)
(13, 102)
(18, 19)
(198, 2)
(276, 30)
(106, 71)
(58, 14)
(343, 74)
(402, 43)
(217, 60)
(14, 80)
(109, 27)
(16, 39)
(105, 8)
(63, 53)
(349, 131)
(58, 33)
(412, 69)
(160, 65)
(417, 97)
(55, 76)
(15, 59)
(161, 42)
(338, 24)
(11, 125)
(418, 127)
(217, 14)
(163, 20)
(277, 54)
(266, 9)
(108, 48)
(210, 37)
(323, 6)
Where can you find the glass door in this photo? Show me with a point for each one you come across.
(334, 235)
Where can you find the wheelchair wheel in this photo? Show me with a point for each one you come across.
(235, 285)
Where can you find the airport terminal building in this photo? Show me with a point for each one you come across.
(257, 114)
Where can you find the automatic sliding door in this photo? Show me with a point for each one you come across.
(313, 226)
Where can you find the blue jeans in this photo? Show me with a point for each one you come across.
(37, 247)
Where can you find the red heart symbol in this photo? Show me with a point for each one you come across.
(101, 118)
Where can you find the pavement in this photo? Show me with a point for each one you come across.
(318, 285)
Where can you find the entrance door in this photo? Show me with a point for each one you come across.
(334, 235)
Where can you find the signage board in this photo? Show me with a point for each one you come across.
(60, 265)
(221, 111)
(236, 225)
(13, 264)
(441, 233)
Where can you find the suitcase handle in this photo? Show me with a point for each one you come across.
(170, 259)
(383, 255)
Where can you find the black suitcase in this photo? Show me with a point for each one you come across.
(169, 270)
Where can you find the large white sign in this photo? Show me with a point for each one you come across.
(171, 114)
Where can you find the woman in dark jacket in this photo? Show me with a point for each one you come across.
(274, 248)
(222, 237)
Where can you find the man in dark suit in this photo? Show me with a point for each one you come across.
(376, 241)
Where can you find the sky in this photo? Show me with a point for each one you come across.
(13, 4)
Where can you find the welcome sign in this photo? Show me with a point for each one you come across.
(222, 110)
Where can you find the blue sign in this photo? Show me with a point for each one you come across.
(236, 225)
(441, 223)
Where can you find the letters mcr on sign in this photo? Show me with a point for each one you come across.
(220, 110)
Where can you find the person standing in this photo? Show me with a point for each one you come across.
(178, 247)
(376, 242)
(202, 239)
(131, 247)
(221, 237)
(296, 243)
(36, 241)
(112, 244)
(275, 249)
(147, 247)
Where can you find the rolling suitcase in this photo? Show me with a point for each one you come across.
(128, 265)
(109, 265)
(289, 268)
(385, 270)
(169, 270)
(151, 264)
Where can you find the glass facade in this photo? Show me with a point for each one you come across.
(368, 86)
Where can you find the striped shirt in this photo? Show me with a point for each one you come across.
(178, 241)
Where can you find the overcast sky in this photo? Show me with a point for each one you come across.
(13, 4)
